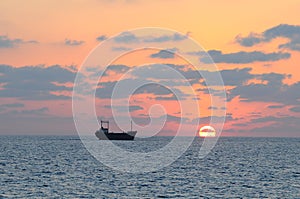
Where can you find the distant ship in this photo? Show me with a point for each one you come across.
(104, 134)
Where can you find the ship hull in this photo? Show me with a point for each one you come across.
(115, 136)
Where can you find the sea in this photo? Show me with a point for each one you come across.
(237, 167)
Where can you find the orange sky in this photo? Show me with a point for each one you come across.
(213, 24)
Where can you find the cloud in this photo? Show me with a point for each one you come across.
(231, 77)
(286, 124)
(291, 32)
(248, 41)
(236, 76)
(239, 124)
(27, 112)
(295, 109)
(105, 89)
(165, 54)
(152, 72)
(273, 91)
(218, 119)
(6, 42)
(161, 71)
(155, 89)
(36, 124)
(269, 87)
(131, 108)
(275, 106)
(172, 118)
(111, 70)
(4, 107)
(126, 37)
(294, 44)
(35, 82)
(171, 97)
(120, 69)
(39, 73)
(13, 105)
(273, 78)
(166, 38)
(35, 111)
(282, 129)
(270, 119)
(101, 38)
(70, 42)
(135, 108)
(243, 57)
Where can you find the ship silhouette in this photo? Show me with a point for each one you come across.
(104, 134)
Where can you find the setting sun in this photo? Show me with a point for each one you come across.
(207, 131)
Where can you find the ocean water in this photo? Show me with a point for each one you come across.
(61, 167)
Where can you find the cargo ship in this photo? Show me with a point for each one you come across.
(104, 134)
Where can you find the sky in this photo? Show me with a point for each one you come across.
(254, 44)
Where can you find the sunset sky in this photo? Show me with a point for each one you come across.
(255, 45)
